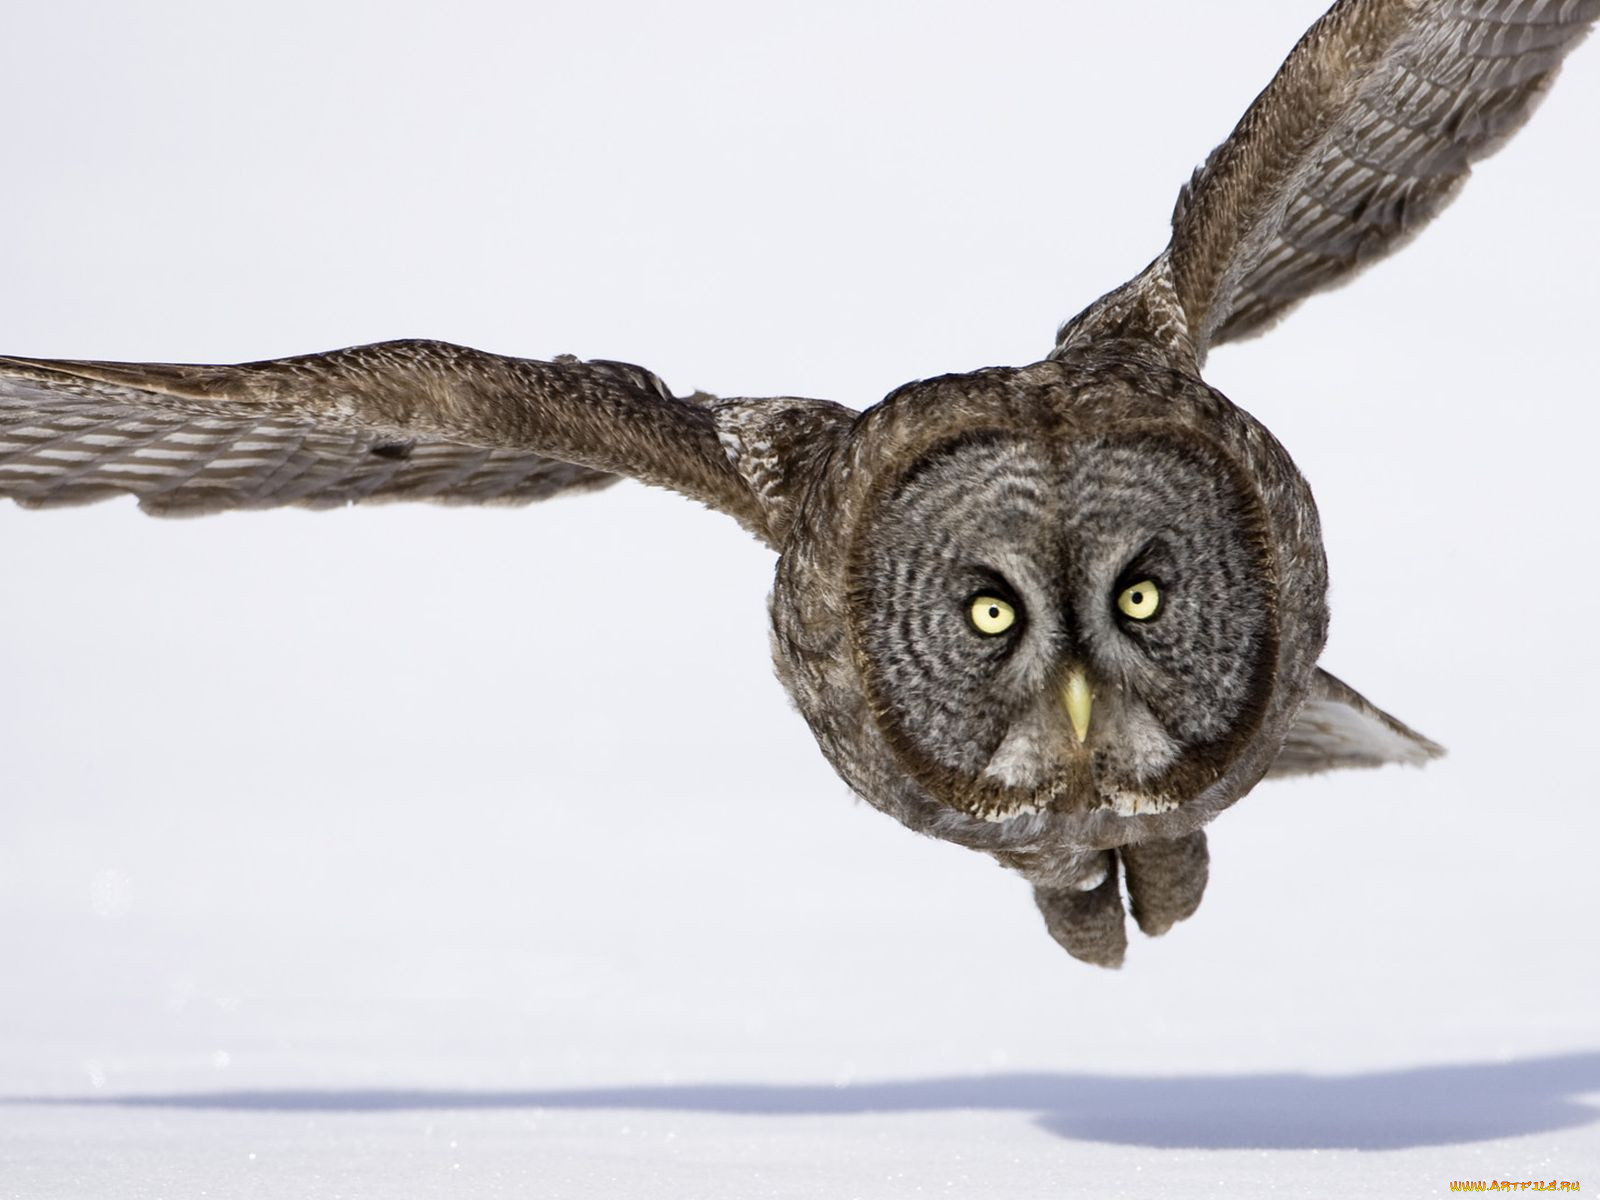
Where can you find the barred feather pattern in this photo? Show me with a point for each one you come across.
(1461, 79)
(393, 421)
(59, 449)
(1367, 131)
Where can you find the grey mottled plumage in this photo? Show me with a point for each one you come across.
(1063, 613)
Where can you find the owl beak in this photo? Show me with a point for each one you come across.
(1080, 700)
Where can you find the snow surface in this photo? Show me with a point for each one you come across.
(421, 852)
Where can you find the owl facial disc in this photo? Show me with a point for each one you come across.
(1065, 624)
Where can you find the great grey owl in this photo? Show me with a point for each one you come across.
(1062, 613)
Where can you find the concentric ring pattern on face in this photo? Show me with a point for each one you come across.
(1057, 534)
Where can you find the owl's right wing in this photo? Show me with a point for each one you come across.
(407, 420)
(1338, 727)
(1367, 131)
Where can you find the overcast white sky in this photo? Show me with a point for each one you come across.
(507, 801)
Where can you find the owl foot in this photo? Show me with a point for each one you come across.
(1165, 880)
(1088, 924)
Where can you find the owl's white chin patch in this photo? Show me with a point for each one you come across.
(1123, 803)
(997, 817)
(1136, 804)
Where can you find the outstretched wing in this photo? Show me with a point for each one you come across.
(1367, 131)
(408, 420)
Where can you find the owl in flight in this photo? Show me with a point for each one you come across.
(1062, 613)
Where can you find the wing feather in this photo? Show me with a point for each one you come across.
(1367, 131)
(393, 421)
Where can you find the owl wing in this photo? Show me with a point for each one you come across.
(408, 420)
(1367, 131)
(1338, 727)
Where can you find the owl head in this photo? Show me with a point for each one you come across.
(1061, 587)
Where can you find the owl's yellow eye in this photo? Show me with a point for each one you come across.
(1140, 601)
(991, 615)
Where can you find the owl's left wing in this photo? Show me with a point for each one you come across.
(407, 420)
(1367, 131)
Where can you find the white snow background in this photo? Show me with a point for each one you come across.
(413, 852)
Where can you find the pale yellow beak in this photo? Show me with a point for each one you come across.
(1080, 701)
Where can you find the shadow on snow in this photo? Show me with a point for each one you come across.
(1379, 1110)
